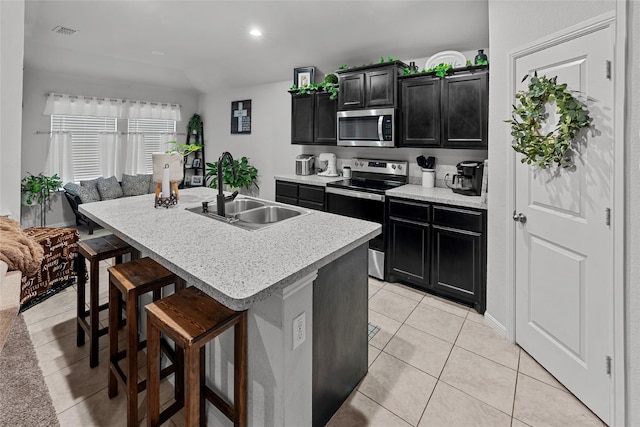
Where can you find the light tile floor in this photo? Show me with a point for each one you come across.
(432, 363)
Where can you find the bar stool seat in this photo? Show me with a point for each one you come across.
(131, 280)
(192, 319)
(94, 251)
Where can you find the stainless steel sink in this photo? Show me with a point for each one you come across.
(239, 205)
(267, 214)
(252, 214)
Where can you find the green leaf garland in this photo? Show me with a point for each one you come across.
(544, 150)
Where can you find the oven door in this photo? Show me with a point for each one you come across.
(366, 206)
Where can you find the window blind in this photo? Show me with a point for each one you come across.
(155, 133)
(84, 139)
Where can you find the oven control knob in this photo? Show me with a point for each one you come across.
(361, 164)
(393, 166)
(399, 167)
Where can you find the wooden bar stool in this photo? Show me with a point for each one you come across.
(131, 280)
(95, 250)
(192, 319)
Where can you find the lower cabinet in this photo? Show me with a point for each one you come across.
(303, 195)
(438, 248)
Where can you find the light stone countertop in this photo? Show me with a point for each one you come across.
(309, 179)
(235, 266)
(436, 195)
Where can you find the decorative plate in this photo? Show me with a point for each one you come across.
(453, 57)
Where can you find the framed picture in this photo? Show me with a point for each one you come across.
(196, 180)
(196, 163)
(241, 116)
(303, 76)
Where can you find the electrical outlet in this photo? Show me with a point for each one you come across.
(299, 330)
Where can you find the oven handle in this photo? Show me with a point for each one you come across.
(356, 194)
(380, 135)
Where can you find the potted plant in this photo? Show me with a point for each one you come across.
(246, 174)
(184, 149)
(195, 124)
(38, 189)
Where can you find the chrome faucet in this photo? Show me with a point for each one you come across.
(220, 199)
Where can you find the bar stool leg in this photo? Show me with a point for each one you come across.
(114, 295)
(132, 359)
(240, 371)
(81, 269)
(94, 311)
(153, 374)
(193, 389)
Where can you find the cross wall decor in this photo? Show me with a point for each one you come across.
(241, 116)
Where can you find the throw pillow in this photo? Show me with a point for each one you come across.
(152, 184)
(92, 190)
(134, 185)
(109, 188)
(80, 191)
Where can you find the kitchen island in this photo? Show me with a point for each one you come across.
(310, 269)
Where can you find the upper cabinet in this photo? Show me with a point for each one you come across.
(449, 112)
(313, 119)
(370, 86)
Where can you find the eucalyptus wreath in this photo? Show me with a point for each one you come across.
(539, 149)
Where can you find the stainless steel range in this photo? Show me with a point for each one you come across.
(363, 197)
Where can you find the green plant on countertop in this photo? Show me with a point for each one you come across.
(195, 124)
(246, 174)
(38, 189)
(184, 149)
(329, 85)
(544, 150)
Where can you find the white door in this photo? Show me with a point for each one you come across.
(564, 281)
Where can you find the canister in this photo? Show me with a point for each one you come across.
(428, 178)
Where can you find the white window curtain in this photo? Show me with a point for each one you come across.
(60, 156)
(134, 154)
(71, 105)
(112, 157)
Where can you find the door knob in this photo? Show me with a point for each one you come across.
(520, 217)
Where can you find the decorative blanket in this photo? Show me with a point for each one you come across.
(17, 249)
(57, 270)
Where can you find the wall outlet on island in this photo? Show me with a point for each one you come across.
(299, 330)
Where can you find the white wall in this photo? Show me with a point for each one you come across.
(37, 83)
(632, 214)
(11, 58)
(512, 25)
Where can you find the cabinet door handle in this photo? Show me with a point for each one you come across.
(519, 217)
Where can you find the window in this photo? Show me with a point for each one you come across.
(155, 133)
(84, 138)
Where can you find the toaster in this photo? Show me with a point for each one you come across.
(304, 164)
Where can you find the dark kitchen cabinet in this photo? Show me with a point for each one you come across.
(449, 112)
(420, 112)
(303, 195)
(438, 248)
(371, 86)
(313, 119)
(465, 110)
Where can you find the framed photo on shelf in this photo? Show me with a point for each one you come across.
(303, 76)
(196, 163)
(196, 180)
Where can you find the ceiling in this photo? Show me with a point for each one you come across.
(207, 44)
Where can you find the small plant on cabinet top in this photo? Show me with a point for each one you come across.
(246, 174)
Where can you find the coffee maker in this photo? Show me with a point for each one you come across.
(468, 180)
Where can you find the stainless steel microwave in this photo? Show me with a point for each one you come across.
(367, 128)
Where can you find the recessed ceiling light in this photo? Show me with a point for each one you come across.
(157, 53)
(255, 32)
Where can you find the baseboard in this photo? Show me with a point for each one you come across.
(491, 321)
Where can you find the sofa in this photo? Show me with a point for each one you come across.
(101, 188)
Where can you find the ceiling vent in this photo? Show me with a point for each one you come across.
(64, 30)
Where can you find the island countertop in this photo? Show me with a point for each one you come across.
(235, 266)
